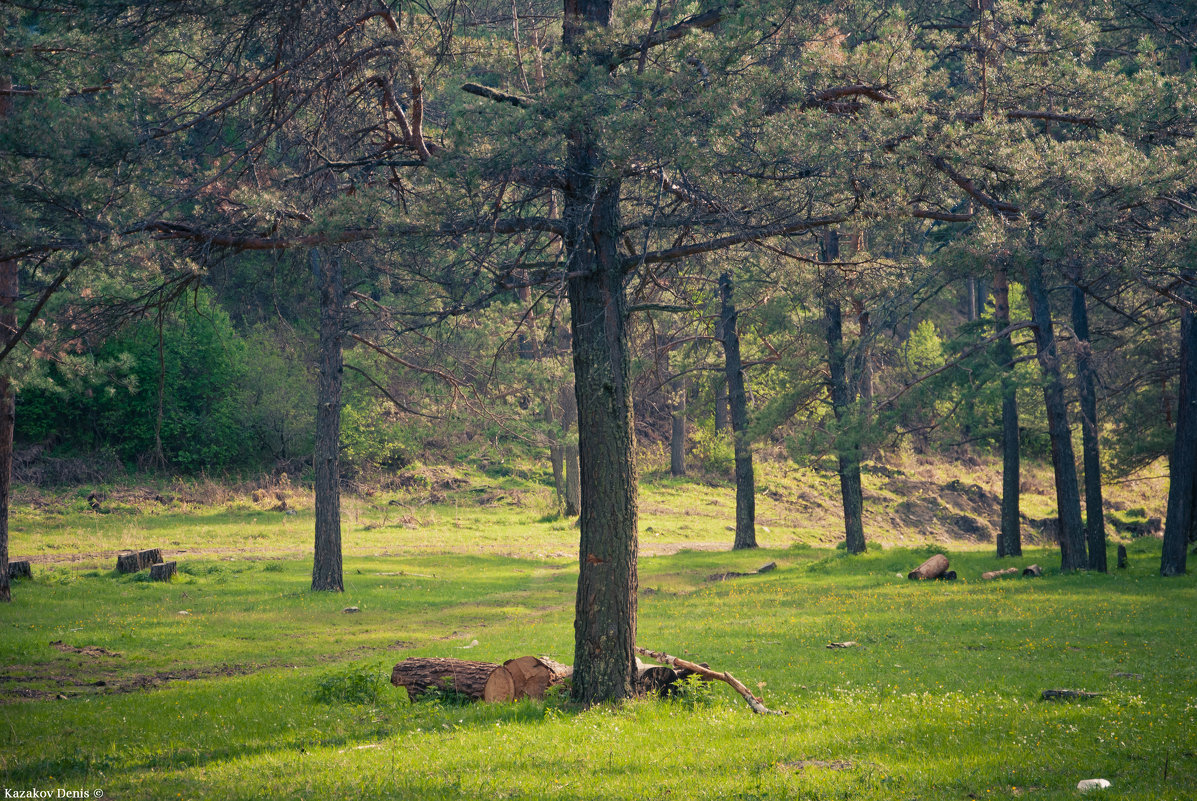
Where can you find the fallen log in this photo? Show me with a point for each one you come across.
(765, 568)
(163, 571)
(1069, 695)
(137, 561)
(1034, 571)
(420, 675)
(20, 569)
(707, 673)
(524, 677)
(992, 574)
(932, 568)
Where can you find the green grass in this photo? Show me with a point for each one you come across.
(266, 690)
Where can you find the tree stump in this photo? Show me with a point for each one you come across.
(992, 574)
(930, 569)
(138, 560)
(420, 675)
(163, 571)
(1034, 571)
(20, 569)
(1121, 557)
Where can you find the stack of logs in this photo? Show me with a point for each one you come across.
(531, 676)
(937, 568)
(524, 677)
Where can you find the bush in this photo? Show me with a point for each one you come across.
(357, 684)
(713, 449)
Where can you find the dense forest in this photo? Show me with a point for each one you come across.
(334, 238)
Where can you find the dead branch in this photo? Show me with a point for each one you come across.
(712, 675)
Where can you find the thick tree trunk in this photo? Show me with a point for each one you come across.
(847, 449)
(1182, 468)
(1068, 496)
(9, 292)
(738, 403)
(677, 437)
(326, 565)
(1086, 384)
(605, 611)
(1009, 541)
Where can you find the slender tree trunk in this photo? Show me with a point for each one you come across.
(721, 411)
(1182, 468)
(738, 403)
(848, 449)
(557, 460)
(605, 610)
(1068, 496)
(1086, 385)
(1010, 537)
(677, 438)
(10, 287)
(569, 439)
(326, 566)
(159, 453)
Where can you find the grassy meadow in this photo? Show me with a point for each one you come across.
(234, 681)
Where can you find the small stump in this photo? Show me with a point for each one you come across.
(138, 560)
(20, 569)
(163, 571)
(1121, 557)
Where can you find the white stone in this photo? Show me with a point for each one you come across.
(1089, 785)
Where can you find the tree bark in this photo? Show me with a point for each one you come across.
(557, 460)
(419, 675)
(1182, 467)
(1086, 385)
(10, 286)
(1009, 541)
(1068, 496)
(932, 568)
(326, 564)
(738, 404)
(605, 608)
(847, 448)
(677, 437)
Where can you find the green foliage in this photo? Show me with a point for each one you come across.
(352, 684)
(372, 437)
(713, 449)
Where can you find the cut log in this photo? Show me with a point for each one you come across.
(419, 675)
(1034, 571)
(947, 575)
(1121, 557)
(532, 675)
(500, 686)
(163, 571)
(707, 673)
(992, 574)
(137, 560)
(20, 569)
(930, 569)
(1069, 695)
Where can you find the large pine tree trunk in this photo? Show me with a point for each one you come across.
(677, 435)
(9, 292)
(848, 450)
(326, 565)
(1010, 537)
(1086, 384)
(1068, 496)
(738, 405)
(1182, 468)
